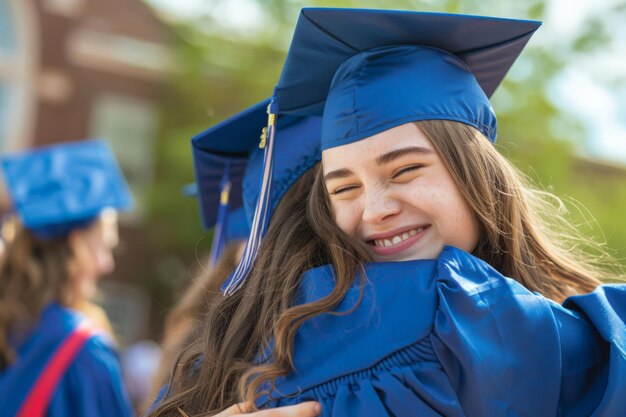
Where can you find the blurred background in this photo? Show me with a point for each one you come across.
(148, 75)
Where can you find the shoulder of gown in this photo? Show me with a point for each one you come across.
(93, 384)
(451, 337)
(605, 310)
(508, 349)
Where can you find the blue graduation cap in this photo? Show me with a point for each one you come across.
(367, 71)
(231, 225)
(235, 227)
(229, 166)
(371, 70)
(57, 188)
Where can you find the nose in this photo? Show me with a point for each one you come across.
(380, 206)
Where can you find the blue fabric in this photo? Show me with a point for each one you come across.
(233, 145)
(209, 170)
(297, 150)
(386, 87)
(237, 225)
(325, 38)
(57, 188)
(160, 397)
(453, 337)
(92, 385)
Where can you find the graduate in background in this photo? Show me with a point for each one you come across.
(54, 360)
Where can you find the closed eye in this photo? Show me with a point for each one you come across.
(406, 170)
(345, 189)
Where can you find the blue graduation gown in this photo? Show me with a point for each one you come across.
(92, 385)
(454, 337)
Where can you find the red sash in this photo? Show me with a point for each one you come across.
(38, 399)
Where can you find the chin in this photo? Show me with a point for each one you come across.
(423, 255)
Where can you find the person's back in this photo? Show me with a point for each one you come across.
(89, 385)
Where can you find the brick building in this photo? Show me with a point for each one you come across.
(76, 69)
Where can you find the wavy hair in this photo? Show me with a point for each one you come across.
(249, 337)
(33, 273)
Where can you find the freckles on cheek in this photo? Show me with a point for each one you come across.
(432, 198)
(346, 218)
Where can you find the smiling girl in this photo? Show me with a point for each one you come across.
(394, 192)
(459, 313)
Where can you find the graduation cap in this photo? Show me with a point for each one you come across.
(367, 71)
(235, 227)
(229, 166)
(58, 188)
(370, 70)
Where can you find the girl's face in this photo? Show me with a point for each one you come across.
(393, 192)
(92, 249)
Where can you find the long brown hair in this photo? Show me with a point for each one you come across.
(525, 233)
(33, 272)
(520, 237)
(220, 370)
(184, 323)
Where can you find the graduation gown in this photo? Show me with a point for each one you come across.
(90, 387)
(453, 337)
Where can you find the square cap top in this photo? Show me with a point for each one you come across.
(56, 188)
(368, 71)
(324, 38)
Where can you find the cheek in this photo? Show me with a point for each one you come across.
(458, 222)
(445, 205)
(430, 197)
(347, 216)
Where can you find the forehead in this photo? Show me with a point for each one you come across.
(366, 151)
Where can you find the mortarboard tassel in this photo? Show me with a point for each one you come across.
(261, 212)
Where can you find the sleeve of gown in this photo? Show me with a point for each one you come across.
(507, 351)
(605, 309)
(93, 385)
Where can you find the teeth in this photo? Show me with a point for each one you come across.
(397, 239)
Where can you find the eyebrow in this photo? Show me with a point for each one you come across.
(337, 174)
(398, 153)
(381, 160)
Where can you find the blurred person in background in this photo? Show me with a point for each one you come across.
(57, 356)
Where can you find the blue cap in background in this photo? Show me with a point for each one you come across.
(221, 153)
(57, 188)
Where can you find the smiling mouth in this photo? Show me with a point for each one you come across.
(397, 239)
